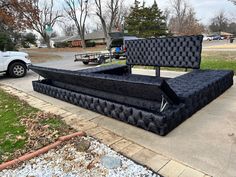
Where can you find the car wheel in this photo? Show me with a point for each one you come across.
(117, 57)
(17, 69)
(85, 62)
(101, 60)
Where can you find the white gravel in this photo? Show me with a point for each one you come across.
(68, 162)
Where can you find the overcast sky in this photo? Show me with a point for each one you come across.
(205, 9)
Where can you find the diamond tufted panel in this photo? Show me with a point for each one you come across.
(184, 52)
(195, 89)
(149, 121)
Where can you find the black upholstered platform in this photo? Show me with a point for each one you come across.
(153, 103)
(141, 112)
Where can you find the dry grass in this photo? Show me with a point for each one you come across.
(74, 49)
(219, 55)
(225, 46)
(42, 57)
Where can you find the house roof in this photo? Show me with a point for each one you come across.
(223, 33)
(95, 35)
(90, 36)
(60, 39)
(226, 34)
(73, 38)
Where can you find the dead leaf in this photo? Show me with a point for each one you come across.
(20, 137)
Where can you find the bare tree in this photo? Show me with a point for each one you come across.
(183, 20)
(233, 1)
(38, 15)
(107, 16)
(167, 14)
(123, 11)
(77, 10)
(68, 28)
(4, 3)
(179, 10)
(219, 23)
(192, 25)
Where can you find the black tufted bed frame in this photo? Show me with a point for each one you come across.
(153, 103)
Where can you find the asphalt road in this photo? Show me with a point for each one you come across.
(67, 62)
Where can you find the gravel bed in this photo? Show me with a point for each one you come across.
(74, 160)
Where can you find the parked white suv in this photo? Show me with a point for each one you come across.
(14, 63)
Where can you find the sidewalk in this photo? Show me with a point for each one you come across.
(203, 144)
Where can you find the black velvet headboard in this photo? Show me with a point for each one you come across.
(183, 52)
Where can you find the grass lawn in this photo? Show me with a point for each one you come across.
(10, 129)
(22, 127)
(219, 60)
(210, 60)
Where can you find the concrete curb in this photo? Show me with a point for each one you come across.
(165, 166)
(40, 151)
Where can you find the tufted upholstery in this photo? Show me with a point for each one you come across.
(195, 90)
(145, 104)
(136, 99)
(110, 69)
(126, 85)
(156, 123)
(184, 52)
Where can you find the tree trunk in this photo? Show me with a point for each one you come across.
(83, 44)
(47, 40)
(104, 27)
(48, 43)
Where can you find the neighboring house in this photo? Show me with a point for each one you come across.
(75, 41)
(223, 34)
(226, 35)
(97, 36)
(59, 40)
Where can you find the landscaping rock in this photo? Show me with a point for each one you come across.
(66, 161)
(82, 145)
(110, 162)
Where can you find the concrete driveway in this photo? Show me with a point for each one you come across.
(206, 141)
(67, 61)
